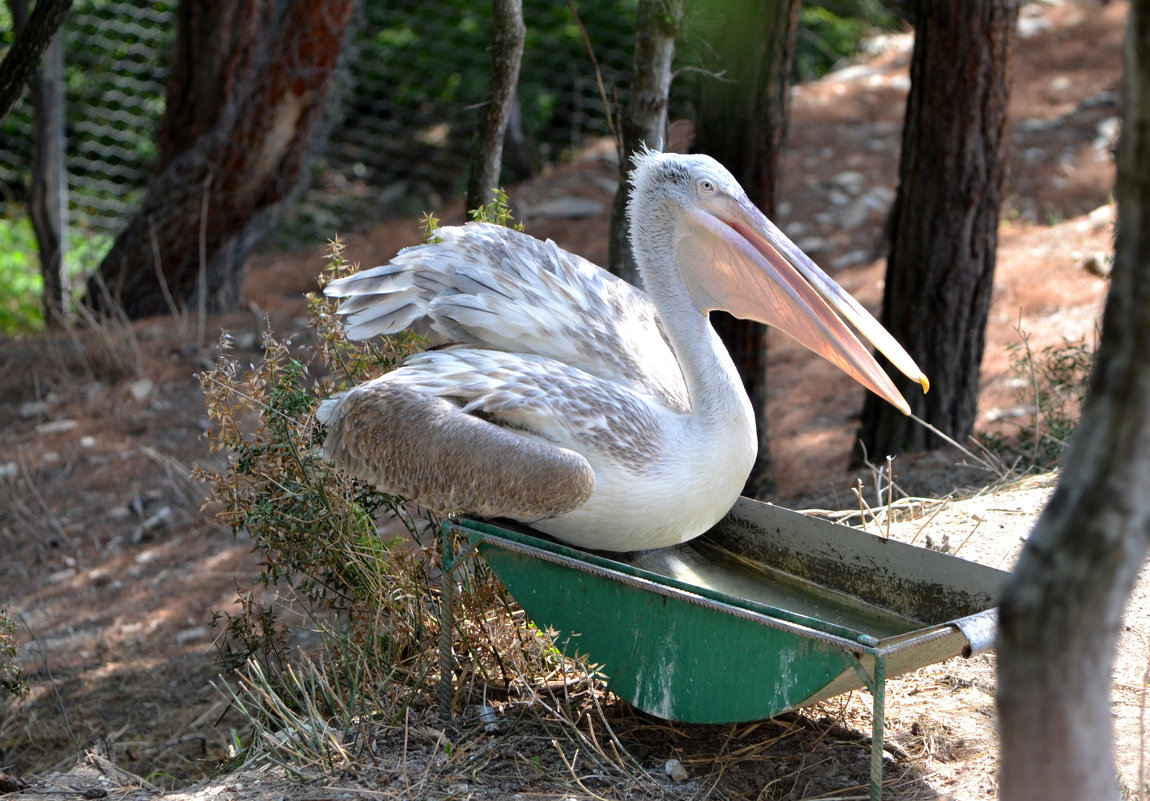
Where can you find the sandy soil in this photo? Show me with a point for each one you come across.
(112, 572)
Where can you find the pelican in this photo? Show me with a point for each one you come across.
(569, 400)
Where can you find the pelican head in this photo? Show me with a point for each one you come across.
(731, 257)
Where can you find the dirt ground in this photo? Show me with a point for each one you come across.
(112, 572)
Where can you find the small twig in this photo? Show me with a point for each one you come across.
(992, 459)
(1025, 337)
(183, 738)
(406, 729)
(930, 519)
(202, 277)
(968, 536)
(621, 752)
(616, 135)
(984, 464)
(864, 507)
(889, 492)
(47, 518)
(181, 318)
(51, 680)
(571, 769)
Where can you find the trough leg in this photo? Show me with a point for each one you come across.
(878, 714)
(877, 686)
(449, 562)
(446, 622)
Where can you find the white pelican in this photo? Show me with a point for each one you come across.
(571, 401)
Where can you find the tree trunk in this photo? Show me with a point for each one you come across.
(940, 269)
(743, 122)
(214, 61)
(22, 58)
(247, 88)
(1062, 610)
(643, 122)
(507, 34)
(48, 196)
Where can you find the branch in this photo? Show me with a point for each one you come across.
(22, 58)
(508, 34)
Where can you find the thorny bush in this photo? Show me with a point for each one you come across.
(359, 566)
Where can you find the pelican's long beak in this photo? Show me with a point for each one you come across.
(743, 264)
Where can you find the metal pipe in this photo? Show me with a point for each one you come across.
(446, 623)
(878, 716)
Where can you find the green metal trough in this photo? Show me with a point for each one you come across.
(771, 610)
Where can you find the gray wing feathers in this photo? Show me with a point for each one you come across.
(425, 448)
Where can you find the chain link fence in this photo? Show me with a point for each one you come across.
(114, 89)
(399, 122)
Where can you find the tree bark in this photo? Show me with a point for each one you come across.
(742, 122)
(508, 34)
(644, 120)
(22, 58)
(1062, 610)
(940, 270)
(212, 67)
(247, 88)
(48, 195)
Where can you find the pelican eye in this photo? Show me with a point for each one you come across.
(706, 186)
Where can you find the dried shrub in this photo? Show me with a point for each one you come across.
(314, 526)
(361, 567)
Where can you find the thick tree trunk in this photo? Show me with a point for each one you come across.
(247, 90)
(22, 58)
(743, 123)
(940, 269)
(215, 57)
(508, 34)
(48, 196)
(1062, 611)
(644, 121)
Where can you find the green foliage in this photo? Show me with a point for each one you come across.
(11, 679)
(834, 30)
(21, 283)
(439, 54)
(21, 286)
(1052, 384)
(412, 139)
(497, 211)
(114, 84)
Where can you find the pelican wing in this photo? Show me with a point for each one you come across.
(486, 432)
(490, 287)
(449, 461)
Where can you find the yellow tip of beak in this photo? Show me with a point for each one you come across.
(925, 384)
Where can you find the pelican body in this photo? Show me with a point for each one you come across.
(567, 399)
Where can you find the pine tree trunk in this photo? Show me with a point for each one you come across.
(247, 88)
(1062, 610)
(940, 270)
(644, 120)
(743, 122)
(508, 34)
